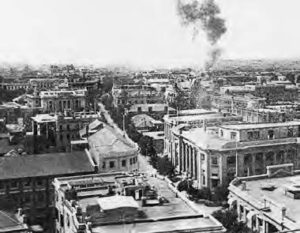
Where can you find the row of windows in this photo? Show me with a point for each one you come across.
(270, 157)
(67, 127)
(17, 184)
(112, 164)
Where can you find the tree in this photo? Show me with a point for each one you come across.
(228, 218)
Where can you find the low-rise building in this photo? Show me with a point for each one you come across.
(113, 151)
(88, 204)
(144, 123)
(156, 111)
(268, 203)
(26, 182)
(61, 129)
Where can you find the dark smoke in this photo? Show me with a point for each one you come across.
(204, 16)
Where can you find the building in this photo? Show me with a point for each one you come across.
(212, 156)
(269, 202)
(113, 151)
(192, 118)
(88, 204)
(157, 111)
(146, 123)
(61, 100)
(45, 83)
(135, 94)
(61, 129)
(26, 182)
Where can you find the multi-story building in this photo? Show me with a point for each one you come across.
(192, 118)
(61, 129)
(26, 182)
(113, 151)
(213, 156)
(136, 94)
(61, 100)
(89, 204)
(268, 203)
(45, 83)
(15, 85)
(156, 111)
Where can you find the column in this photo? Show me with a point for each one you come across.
(195, 164)
(253, 164)
(191, 161)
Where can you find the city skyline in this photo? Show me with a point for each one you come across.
(140, 33)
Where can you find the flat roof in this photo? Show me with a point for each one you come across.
(255, 194)
(52, 164)
(205, 225)
(195, 111)
(191, 118)
(261, 125)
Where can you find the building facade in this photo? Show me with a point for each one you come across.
(213, 156)
(268, 203)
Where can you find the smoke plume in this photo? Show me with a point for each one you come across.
(204, 15)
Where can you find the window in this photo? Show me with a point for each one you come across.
(124, 163)
(39, 182)
(112, 164)
(271, 134)
(233, 135)
(256, 134)
(61, 128)
(230, 160)
(214, 160)
(68, 127)
(61, 137)
(202, 156)
(2, 185)
(221, 133)
(130, 161)
(14, 184)
(103, 165)
(250, 135)
(290, 132)
(27, 183)
(150, 109)
(203, 180)
(68, 136)
(139, 109)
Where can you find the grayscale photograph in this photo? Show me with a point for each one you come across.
(149, 116)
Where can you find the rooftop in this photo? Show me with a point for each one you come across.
(261, 125)
(209, 139)
(52, 164)
(108, 142)
(276, 198)
(194, 118)
(195, 112)
(144, 121)
(202, 224)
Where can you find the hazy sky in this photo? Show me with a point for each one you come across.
(140, 32)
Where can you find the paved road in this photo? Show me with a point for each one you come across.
(148, 169)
